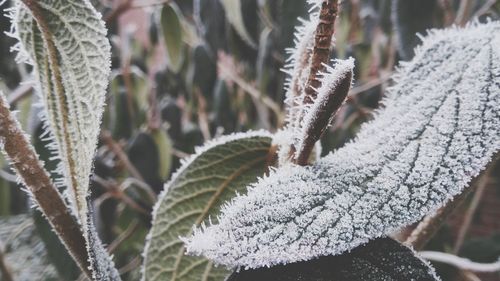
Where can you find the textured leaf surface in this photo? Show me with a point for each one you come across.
(67, 45)
(439, 128)
(380, 259)
(210, 177)
(82, 66)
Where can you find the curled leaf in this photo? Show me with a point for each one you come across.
(438, 130)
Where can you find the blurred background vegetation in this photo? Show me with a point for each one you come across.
(187, 71)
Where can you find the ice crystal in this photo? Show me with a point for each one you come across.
(438, 129)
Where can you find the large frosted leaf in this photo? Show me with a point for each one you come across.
(210, 177)
(380, 259)
(439, 128)
(67, 45)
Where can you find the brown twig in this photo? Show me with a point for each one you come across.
(476, 199)
(132, 227)
(118, 151)
(463, 13)
(319, 58)
(116, 192)
(133, 264)
(28, 166)
(231, 75)
(4, 268)
(321, 49)
(448, 12)
(202, 114)
(19, 93)
(426, 229)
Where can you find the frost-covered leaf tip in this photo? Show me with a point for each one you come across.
(67, 45)
(439, 128)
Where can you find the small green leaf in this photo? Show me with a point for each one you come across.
(66, 42)
(380, 259)
(195, 193)
(171, 18)
(164, 146)
(234, 15)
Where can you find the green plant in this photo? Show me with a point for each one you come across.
(263, 204)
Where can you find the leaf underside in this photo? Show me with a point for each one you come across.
(195, 193)
(83, 61)
(438, 129)
(67, 45)
(380, 259)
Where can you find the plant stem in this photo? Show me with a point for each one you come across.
(321, 49)
(4, 268)
(120, 154)
(464, 228)
(459, 262)
(29, 168)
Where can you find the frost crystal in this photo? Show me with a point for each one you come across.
(83, 60)
(438, 129)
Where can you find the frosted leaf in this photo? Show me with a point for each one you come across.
(73, 114)
(439, 128)
(217, 172)
(67, 45)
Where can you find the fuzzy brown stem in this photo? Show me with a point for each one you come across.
(322, 118)
(321, 49)
(28, 166)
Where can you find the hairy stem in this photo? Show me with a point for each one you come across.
(321, 49)
(321, 118)
(29, 168)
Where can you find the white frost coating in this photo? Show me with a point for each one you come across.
(79, 35)
(296, 67)
(439, 128)
(330, 79)
(73, 113)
